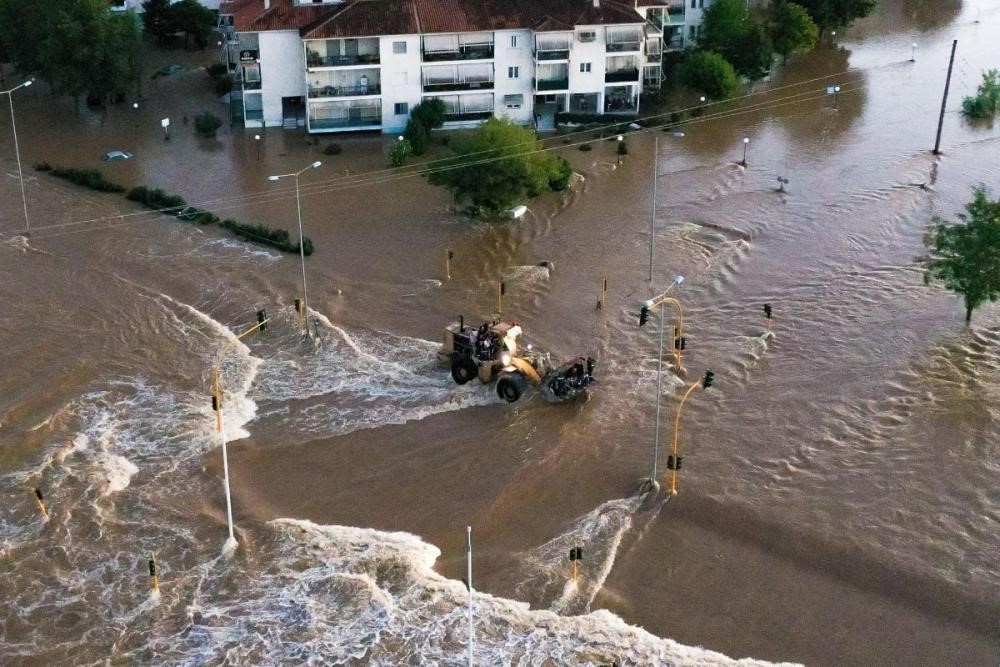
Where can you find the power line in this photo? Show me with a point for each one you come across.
(318, 186)
(381, 176)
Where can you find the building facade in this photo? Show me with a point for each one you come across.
(349, 65)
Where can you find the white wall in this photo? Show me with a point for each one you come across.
(594, 53)
(282, 71)
(400, 79)
(521, 57)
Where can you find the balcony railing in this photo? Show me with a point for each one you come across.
(251, 85)
(254, 114)
(315, 60)
(552, 54)
(458, 116)
(333, 123)
(468, 52)
(619, 47)
(622, 75)
(440, 86)
(345, 91)
(552, 84)
(617, 105)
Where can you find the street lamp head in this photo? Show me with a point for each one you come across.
(679, 135)
(621, 138)
(274, 178)
(316, 164)
(678, 280)
(914, 45)
(400, 138)
(648, 303)
(836, 89)
(28, 83)
(746, 140)
(702, 98)
(256, 137)
(135, 105)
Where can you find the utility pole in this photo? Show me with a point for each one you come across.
(944, 99)
(468, 551)
(652, 215)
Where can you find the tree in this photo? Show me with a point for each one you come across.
(400, 152)
(426, 116)
(791, 28)
(729, 30)
(194, 20)
(836, 13)
(522, 170)
(206, 124)
(709, 73)
(986, 102)
(966, 257)
(158, 20)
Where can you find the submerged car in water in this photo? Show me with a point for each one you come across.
(492, 352)
(114, 156)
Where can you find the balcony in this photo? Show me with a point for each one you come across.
(462, 116)
(556, 54)
(338, 115)
(472, 52)
(624, 40)
(445, 78)
(347, 83)
(552, 84)
(345, 91)
(630, 75)
(253, 114)
(620, 99)
(342, 53)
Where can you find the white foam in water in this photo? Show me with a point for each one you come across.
(360, 380)
(339, 595)
(118, 472)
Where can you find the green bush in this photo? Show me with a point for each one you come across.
(88, 178)
(417, 135)
(586, 147)
(400, 152)
(986, 102)
(709, 73)
(155, 198)
(223, 87)
(564, 172)
(217, 71)
(276, 238)
(207, 123)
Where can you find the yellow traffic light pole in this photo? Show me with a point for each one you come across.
(217, 405)
(674, 463)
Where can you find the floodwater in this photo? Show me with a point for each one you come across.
(837, 502)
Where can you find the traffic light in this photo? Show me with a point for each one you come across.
(767, 310)
(451, 255)
(215, 403)
(674, 462)
(680, 343)
(643, 315)
(503, 288)
(298, 305)
(709, 378)
(261, 317)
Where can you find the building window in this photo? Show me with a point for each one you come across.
(694, 4)
(513, 41)
(513, 101)
(701, 4)
(513, 72)
(691, 32)
(584, 67)
(399, 47)
(401, 108)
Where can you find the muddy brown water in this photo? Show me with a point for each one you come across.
(838, 500)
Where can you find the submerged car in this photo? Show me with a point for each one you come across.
(114, 156)
(492, 352)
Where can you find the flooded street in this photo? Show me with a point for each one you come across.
(838, 502)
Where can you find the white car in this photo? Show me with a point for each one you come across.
(113, 156)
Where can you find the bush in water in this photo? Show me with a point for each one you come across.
(88, 178)
(276, 238)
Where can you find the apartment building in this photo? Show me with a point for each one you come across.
(349, 65)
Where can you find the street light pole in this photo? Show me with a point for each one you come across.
(653, 303)
(256, 139)
(302, 252)
(746, 144)
(17, 151)
(468, 533)
(652, 216)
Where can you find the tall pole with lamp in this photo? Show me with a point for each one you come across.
(302, 252)
(17, 150)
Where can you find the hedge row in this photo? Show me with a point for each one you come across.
(587, 118)
(88, 178)
(167, 204)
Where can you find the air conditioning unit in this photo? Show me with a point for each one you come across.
(587, 36)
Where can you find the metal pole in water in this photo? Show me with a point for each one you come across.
(302, 256)
(944, 98)
(652, 216)
(468, 551)
(659, 384)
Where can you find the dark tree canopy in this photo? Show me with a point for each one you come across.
(966, 256)
(837, 13)
(521, 172)
(80, 47)
(709, 73)
(729, 30)
(791, 28)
